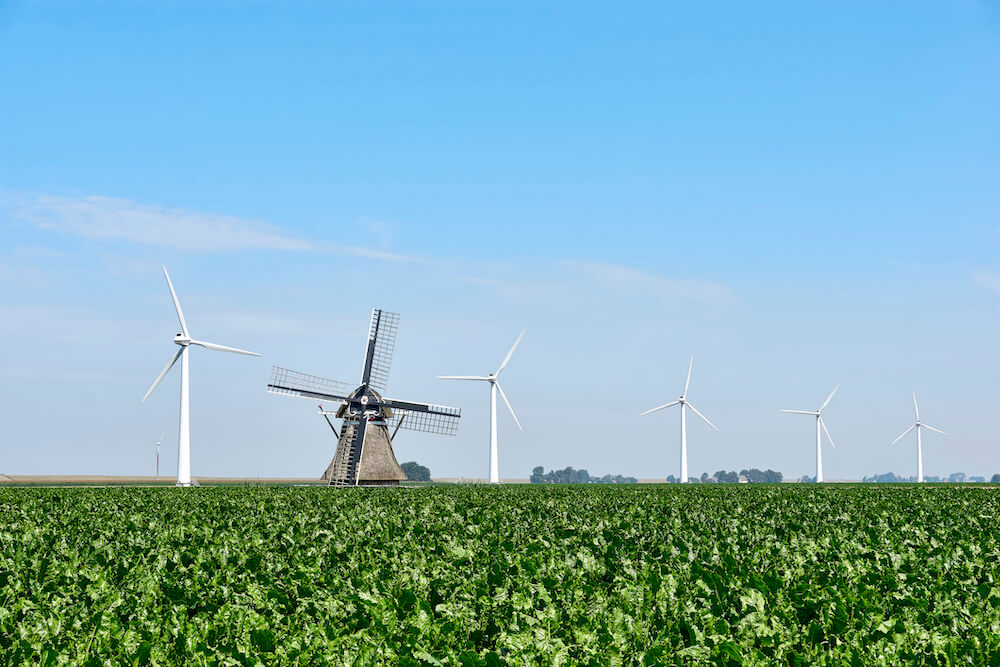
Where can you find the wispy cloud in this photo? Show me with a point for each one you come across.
(627, 278)
(114, 219)
(988, 280)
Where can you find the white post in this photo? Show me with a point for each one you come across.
(684, 446)
(920, 457)
(494, 457)
(819, 453)
(184, 436)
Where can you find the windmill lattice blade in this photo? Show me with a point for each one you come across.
(703, 417)
(177, 304)
(800, 412)
(509, 354)
(504, 397)
(163, 373)
(936, 430)
(827, 401)
(662, 407)
(827, 431)
(223, 348)
(461, 377)
(688, 381)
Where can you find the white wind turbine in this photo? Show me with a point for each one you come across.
(919, 425)
(683, 402)
(819, 424)
(493, 379)
(184, 341)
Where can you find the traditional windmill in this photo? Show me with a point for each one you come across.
(364, 454)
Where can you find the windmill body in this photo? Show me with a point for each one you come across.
(920, 449)
(685, 404)
(184, 341)
(495, 388)
(820, 429)
(364, 455)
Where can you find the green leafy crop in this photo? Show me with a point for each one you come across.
(472, 576)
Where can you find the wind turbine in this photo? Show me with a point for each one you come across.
(683, 402)
(158, 456)
(919, 425)
(494, 380)
(183, 340)
(819, 424)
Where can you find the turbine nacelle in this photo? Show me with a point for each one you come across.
(181, 339)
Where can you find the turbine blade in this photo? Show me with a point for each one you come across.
(223, 348)
(827, 401)
(703, 417)
(504, 397)
(666, 405)
(688, 381)
(903, 435)
(461, 377)
(163, 373)
(800, 412)
(827, 431)
(916, 410)
(512, 348)
(177, 304)
(936, 430)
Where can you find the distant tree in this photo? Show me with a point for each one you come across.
(570, 476)
(757, 476)
(806, 479)
(694, 480)
(673, 480)
(933, 479)
(704, 477)
(956, 477)
(995, 479)
(730, 477)
(977, 479)
(416, 472)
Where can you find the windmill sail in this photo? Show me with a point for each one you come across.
(364, 453)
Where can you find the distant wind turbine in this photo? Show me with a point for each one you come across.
(184, 341)
(819, 424)
(919, 425)
(494, 380)
(683, 402)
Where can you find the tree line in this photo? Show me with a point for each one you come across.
(570, 476)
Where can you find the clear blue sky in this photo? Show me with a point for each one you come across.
(798, 194)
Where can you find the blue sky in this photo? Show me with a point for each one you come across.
(798, 195)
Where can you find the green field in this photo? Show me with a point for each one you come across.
(720, 574)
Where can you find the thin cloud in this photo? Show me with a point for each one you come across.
(114, 219)
(988, 280)
(624, 277)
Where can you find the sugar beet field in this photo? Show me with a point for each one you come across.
(789, 574)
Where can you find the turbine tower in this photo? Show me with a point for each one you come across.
(920, 451)
(183, 340)
(683, 402)
(819, 424)
(494, 380)
(158, 456)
